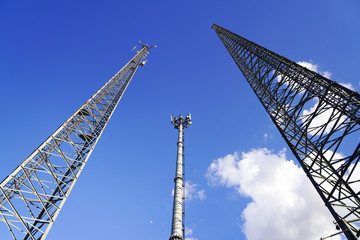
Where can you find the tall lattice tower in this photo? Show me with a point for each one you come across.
(327, 150)
(177, 226)
(32, 196)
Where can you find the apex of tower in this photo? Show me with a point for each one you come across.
(185, 122)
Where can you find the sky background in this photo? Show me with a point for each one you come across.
(242, 182)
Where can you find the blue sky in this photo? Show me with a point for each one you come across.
(54, 56)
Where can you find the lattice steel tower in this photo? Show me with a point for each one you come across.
(177, 226)
(327, 150)
(32, 196)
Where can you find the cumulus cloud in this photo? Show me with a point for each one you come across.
(191, 192)
(308, 65)
(201, 194)
(188, 233)
(321, 119)
(284, 204)
(314, 68)
(352, 175)
(348, 85)
(266, 136)
(326, 74)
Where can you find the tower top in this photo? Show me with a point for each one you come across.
(146, 45)
(185, 122)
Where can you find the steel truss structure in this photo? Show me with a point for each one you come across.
(318, 118)
(32, 196)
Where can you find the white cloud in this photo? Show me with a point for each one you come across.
(201, 195)
(353, 177)
(266, 136)
(191, 192)
(322, 118)
(284, 204)
(348, 85)
(314, 67)
(308, 65)
(326, 74)
(188, 233)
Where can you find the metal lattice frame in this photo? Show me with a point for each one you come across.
(324, 139)
(32, 196)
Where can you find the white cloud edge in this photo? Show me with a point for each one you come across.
(245, 174)
(191, 192)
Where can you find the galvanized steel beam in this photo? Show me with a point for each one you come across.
(32, 196)
(318, 118)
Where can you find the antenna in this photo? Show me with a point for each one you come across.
(178, 227)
